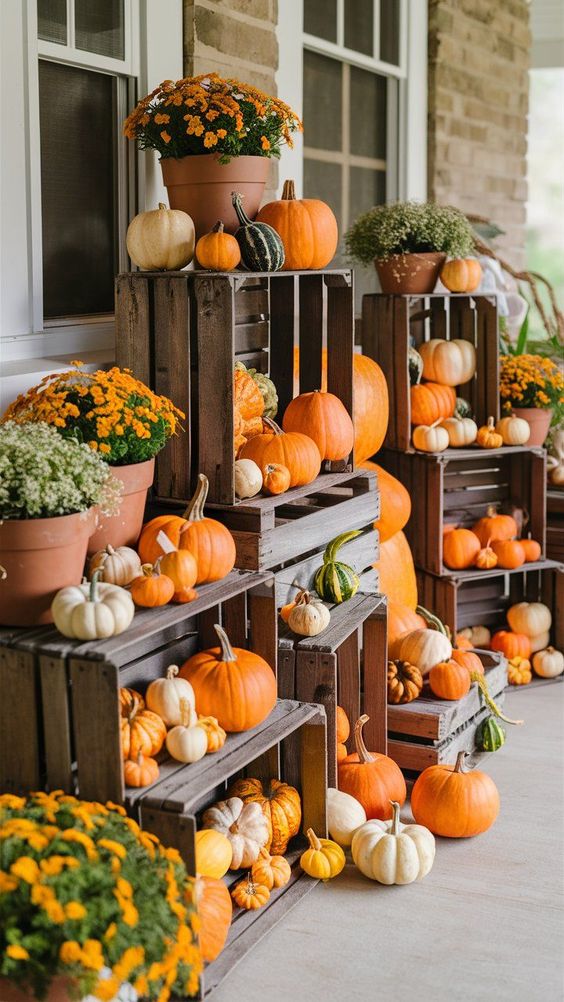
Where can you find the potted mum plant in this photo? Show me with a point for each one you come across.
(50, 490)
(409, 243)
(90, 905)
(532, 387)
(119, 418)
(213, 136)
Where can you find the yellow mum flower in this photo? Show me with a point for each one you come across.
(7, 883)
(75, 911)
(132, 958)
(11, 802)
(108, 989)
(15, 952)
(92, 955)
(110, 931)
(124, 887)
(55, 911)
(26, 869)
(70, 952)
(73, 835)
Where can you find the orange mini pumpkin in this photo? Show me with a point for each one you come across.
(297, 452)
(430, 402)
(509, 552)
(217, 250)
(372, 779)
(181, 568)
(469, 660)
(271, 871)
(493, 527)
(343, 726)
(142, 731)
(449, 680)
(210, 543)
(307, 226)
(532, 550)
(511, 644)
(275, 478)
(151, 588)
(486, 558)
(461, 274)
(141, 771)
(460, 548)
(324, 418)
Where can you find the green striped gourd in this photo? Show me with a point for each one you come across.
(462, 408)
(490, 735)
(261, 246)
(415, 363)
(334, 581)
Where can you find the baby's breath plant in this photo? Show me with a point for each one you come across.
(409, 228)
(43, 475)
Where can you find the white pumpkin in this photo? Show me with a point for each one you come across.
(164, 697)
(244, 825)
(540, 641)
(248, 478)
(479, 636)
(392, 853)
(513, 430)
(92, 611)
(450, 363)
(530, 618)
(161, 240)
(119, 566)
(548, 663)
(425, 648)
(188, 742)
(430, 437)
(461, 431)
(309, 617)
(344, 816)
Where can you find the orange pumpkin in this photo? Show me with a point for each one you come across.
(280, 804)
(147, 547)
(271, 871)
(532, 550)
(467, 659)
(232, 684)
(128, 698)
(486, 558)
(397, 571)
(509, 552)
(142, 731)
(324, 418)
(247, 398)
(395, 502)
(151, 588)
(217, 250)
(461, 274)
(275, 478)
(401, 620)
(431, 402)
(493, 527)
(511, 644)
(341, 752)
(210, 543)
(140, 771)
(454, 803)
(185, 595)
(181, 568)
(297, 452)
(461, 642)
(307, 226)
(343, 726)
(374, 780)
(216, 734)
(449, 680)
(286, 609)
(460, 549)
(215, 912)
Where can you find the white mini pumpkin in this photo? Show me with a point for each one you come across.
(425, 648)
(392, 853)
(187, 742)
(248, 478)
(92, 611)
(309, 617)
(344, 815)
(540, 641)
(161, 240)
(244, 825)
(461, 431)
(513, 430)
(430, 438)
(119, 566)
(530, 618)
(479, 636)
(450, 363)
(548, 663)
(164, 697)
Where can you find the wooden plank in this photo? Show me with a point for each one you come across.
(133, 337)
(314, 774)
(310, 327)
(55, 702)
(263, 620)
(340, 350)
(282, 323)
(348, 676)
(316, 682)
(172, 379)
(175, 832)
(360, 552)
(416, 757)
(19, 722)
(97, 734)
(375, 699)
(234, 619)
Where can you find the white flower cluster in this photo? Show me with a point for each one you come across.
(409, 228)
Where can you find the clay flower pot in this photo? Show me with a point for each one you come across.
(39, 556)
(410, 274)
(58, 991)
(123, 528)
(538, 419)
(202, 186)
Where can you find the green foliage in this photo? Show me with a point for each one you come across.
(409, 228)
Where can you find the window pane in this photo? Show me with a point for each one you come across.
(52, 20)
(322, 102)
(366, 188)
(77, 190)
(320, 19)
(99, 27)
(368, 114)
(389, 31)
(322, 180)
(359, 25)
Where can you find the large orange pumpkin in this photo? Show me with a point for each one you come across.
(493, 527)
(449, 680)
(307, 226)
(210, 543)
(401, 620)
(430, 402)
(460, 548)
(236, 686)
(395, 502)
(142, 731)
(297, 452)
(397, 571)
(454, 803)
(511, 644)
(374, 780)
(324, 418)
(280, 804)
(215, 912)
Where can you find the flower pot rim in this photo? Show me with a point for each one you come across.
(215, 156)
(427, 254)
(47, 518)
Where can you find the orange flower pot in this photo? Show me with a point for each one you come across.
(538, 419)
(410, 274)
(123, 528)
(59, 991)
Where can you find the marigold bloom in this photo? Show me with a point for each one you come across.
(15, 952)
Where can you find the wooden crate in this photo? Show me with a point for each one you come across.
(361, 553)
(271, 531)
(458, 486)
(181, 332)
(472, 598)
(330, 670)
(430, 731)
(555, 524)
(391, 323)
(63, 730)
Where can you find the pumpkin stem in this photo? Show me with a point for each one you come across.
(491, 510)
(313, 840)
(218, 228)
(93, 596)
(334, 546)
(395, 829)
(184, 712)
(289, 190)
(172, 672)
(147, 570)
(433, 622)
(491, 424)
(363, 754)
(236, 201)
(460, 761)
(110, 550)
(483, 687)
(163, 206)
(271, 424)
(195, 510)
(135, 704)
(227, 652)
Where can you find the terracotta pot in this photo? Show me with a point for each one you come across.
(123, 528)
(58, 991)
(40, 555)
(202, 187)
(410, 274)
(538, 419)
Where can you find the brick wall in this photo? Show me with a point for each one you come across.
(478, 100)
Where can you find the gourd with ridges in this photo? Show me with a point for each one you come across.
(260, 245)
(415, 365)
(335, 581)
(490, 735)
(266, 387)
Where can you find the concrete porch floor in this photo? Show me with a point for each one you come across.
(487, 922)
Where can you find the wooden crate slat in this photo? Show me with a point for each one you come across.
(414, 757)
(172, 379)
(349, 680)
(133, 321)
(316, 681)
(55, 703)
(375, 684)
(360, 553)
(310, 329)
(216, 321)
(282, 323)
(97, 733)
(20, 738)
(340, 349)
(174, 832)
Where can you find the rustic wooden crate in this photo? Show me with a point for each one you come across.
(430, 731)
(181, 332)
(472, 598)
(361, 553)
(391, 323)
(458, 486)
(328, 669)
(555, 525)
(63, 730)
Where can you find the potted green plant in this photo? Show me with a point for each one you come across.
(90, 903)
(532, 387)
(50, 489)
(119, 418)
(409, 243)
(213, 136)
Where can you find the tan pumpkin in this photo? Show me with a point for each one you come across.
(116, 566)
(161, 240)
(430, 438)
(307, 226)
(548, 663)
(164, 697)
(513, 430)
(449, 363)
(530, 618)
(461, 274)
(218, 250)
(461, 431)
(425, 648)
(280, 804)
(401, 621)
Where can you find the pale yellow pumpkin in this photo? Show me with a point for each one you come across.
(161, 240)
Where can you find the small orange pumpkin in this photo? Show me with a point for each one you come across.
(373, 779)
(513, 645)
(486, 558)
(509, 552)
(218, 250)
(343, 726)
(275, 478)
(468, 660)
(487, 436)
(151, 588)
(532, 550)
(449, 680)
(460, 548)
(461, 274)
(142, 731)
(271, 871)
(181, 568)
(431, 402)
(462, 642)
(324, 418)
(493, 527)
(141, 771)
(294, 450)
(341, 752)
(250, 895)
